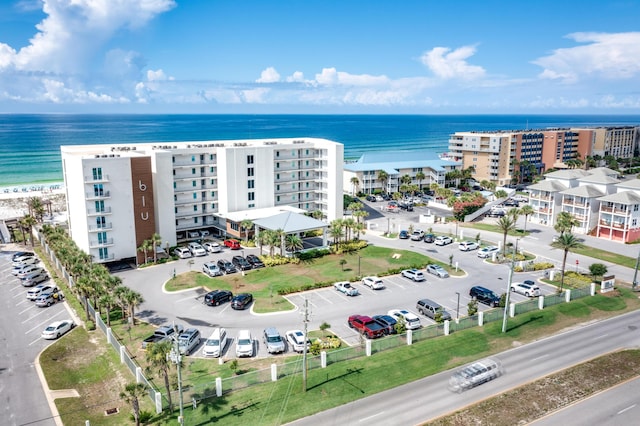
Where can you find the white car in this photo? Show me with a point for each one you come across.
(296, 340)
(41, 289)
(244, 344)
(196, 249)
(468, 246)
(529, 290)
(442, 240)
(437, 270)
(346, 288)
(57, 329)
(182, 252)
(413, 274)
(212, 269)
(486, 252)
(374, 283)
(411, 320)
(25, 261)
(212, 247)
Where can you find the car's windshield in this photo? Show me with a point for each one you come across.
(244, 342)
(213, 342)
(274, 339)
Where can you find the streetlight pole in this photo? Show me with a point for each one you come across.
(359, 265)
(177, 359)
(305, 320)
(506, 301)
(458, 306)
(634, 285)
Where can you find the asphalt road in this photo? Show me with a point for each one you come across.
(427, 399)
(21, 393)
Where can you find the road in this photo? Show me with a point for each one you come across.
(427, 399)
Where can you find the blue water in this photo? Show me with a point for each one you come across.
(30, 144)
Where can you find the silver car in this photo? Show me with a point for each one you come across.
(438, 271)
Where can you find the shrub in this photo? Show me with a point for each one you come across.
(348, 247)
(90, 325)
(542, 265)
(518, 269)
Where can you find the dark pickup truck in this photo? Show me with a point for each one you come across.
(162, 334)
(366, 326)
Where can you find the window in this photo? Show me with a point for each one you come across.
(195, 220)
(98, 190)
(195, 195)
(278, 176)
(193, 183)
(103, 253)
(249, 159)
(193, 171)
(634, 222)
(251, 205)
(213, 181)
(213, 206)
(211, 158)
(277, 165)
(173, 159)
(193, 158)
(101, 222)
(250, 171)
(251, 196)
(251, 184)
(99, 206)
(195, 208)
(278, 198)
(102, 237)
(212, 169)
(97, 173)
(635, 207)
(277, 153)
(174, 185)
(175, 210)
(213, 194)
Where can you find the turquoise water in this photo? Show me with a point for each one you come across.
(30, 144)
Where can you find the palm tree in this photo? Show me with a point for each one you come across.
(157, 356)
(501, 193)
(317, 214)
(107, 301)
(246, 225)
(120, 295)
(156, 241)
(133, 300)
(355, 182)
(420, 176)
(506, 224)
(383, 177)
(293, 243)
(567, 242)
(26, 223)
(36, 208)
(527, 211)
(145, 247)
(359, 229)
(348, 225)
(360, 214)
(280, 235)
(565, 222)
(132, 394)
(335, 230)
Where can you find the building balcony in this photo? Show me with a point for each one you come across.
(94, 212)
(96, 179)
(101, 243)
(107, 258)
(100, 195)
(573, 202)
(99, 228)
(614, 210)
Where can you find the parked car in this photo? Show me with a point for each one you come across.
(22, 254)
(241, 301)
(57, 329)
(254, 261)
(468, 246)
(437, 270)
(244, 344)
(366, 326)
(346, 288)
(371, 198)
(526, 289)
(475, 374)
(484, 295)
(273, 341)
(488, 251)
(49, 298)
(442, 240)
(26, 271)
(203, 233)
(216, 343)
(429, 238)
(296, 340)
(212, 269)
(34, 278)
(411, 320)
(196, 249)
(511, 203)
(188, 341)
(241, 263)
(413, 274)
(431, 309)
(40, 289)
(417, 235)
(182, 252)
(497, 211)
(216, 297)
(226, 266)
(22, 261)
(374, 283)
(232, 244)
(212, 247)
(388, 322)
(404, 235)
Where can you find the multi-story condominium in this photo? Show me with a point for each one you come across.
(119, 195)
(619, 214)
(423, 167)
(507, 156)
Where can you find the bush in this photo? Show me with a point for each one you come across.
(313, 254)
(348, 247)
(542, 265)
(90, 325)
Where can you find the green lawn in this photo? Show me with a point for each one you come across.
(607, 256)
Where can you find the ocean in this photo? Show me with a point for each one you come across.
(30, 144)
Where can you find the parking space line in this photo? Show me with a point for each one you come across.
(322, 297)
(36, 341)
(44, 322)
(44, 310)
(25, 310)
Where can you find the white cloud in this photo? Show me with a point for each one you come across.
(269, 75)
(157, 75)
(296, 77)
(449, 64)
(604, 55)
(332, 77)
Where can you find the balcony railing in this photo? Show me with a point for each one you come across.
(100, 178)
(97, 195)
(101, 243)
(102, 227)
(614, 210)
(94, 212)
(104, 258)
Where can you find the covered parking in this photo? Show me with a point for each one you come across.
(292, 223)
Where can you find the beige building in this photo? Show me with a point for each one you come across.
(620, 142)
(490, 153)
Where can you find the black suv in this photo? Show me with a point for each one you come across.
(241, 301)
(485, 296)
(216, 297)
(254, 261)
(226, 266)
(241, 263)
(429, 238)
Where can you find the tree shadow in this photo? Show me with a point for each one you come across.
(349, 372)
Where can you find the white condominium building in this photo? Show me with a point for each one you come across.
(119, 195)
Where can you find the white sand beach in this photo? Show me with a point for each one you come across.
(13, 204)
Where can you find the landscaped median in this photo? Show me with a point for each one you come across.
(268, 285)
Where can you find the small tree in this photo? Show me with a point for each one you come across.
(472, 307)
(324, 327)
(400, 325)
(503, 300)
(342, 263)
(132, 394)
(450, 261)
(597, 270)
(438, 317)
(233, 365)
(478, 238)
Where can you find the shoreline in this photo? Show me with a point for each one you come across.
(14, 199)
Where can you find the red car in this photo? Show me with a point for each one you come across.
(232, 244)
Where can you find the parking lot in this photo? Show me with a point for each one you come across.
(327, 304)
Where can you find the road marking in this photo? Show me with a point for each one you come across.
(370, 417)
(44, 322)
(626, 409)
(185, 298)
(540, 357)
(35, 341)
(600, 336)
(44, 310)
(25, 310)
(322, 297)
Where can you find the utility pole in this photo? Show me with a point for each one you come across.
(506, 301)
(177, 359)
(305, 320)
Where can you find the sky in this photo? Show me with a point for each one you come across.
(320, 57)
